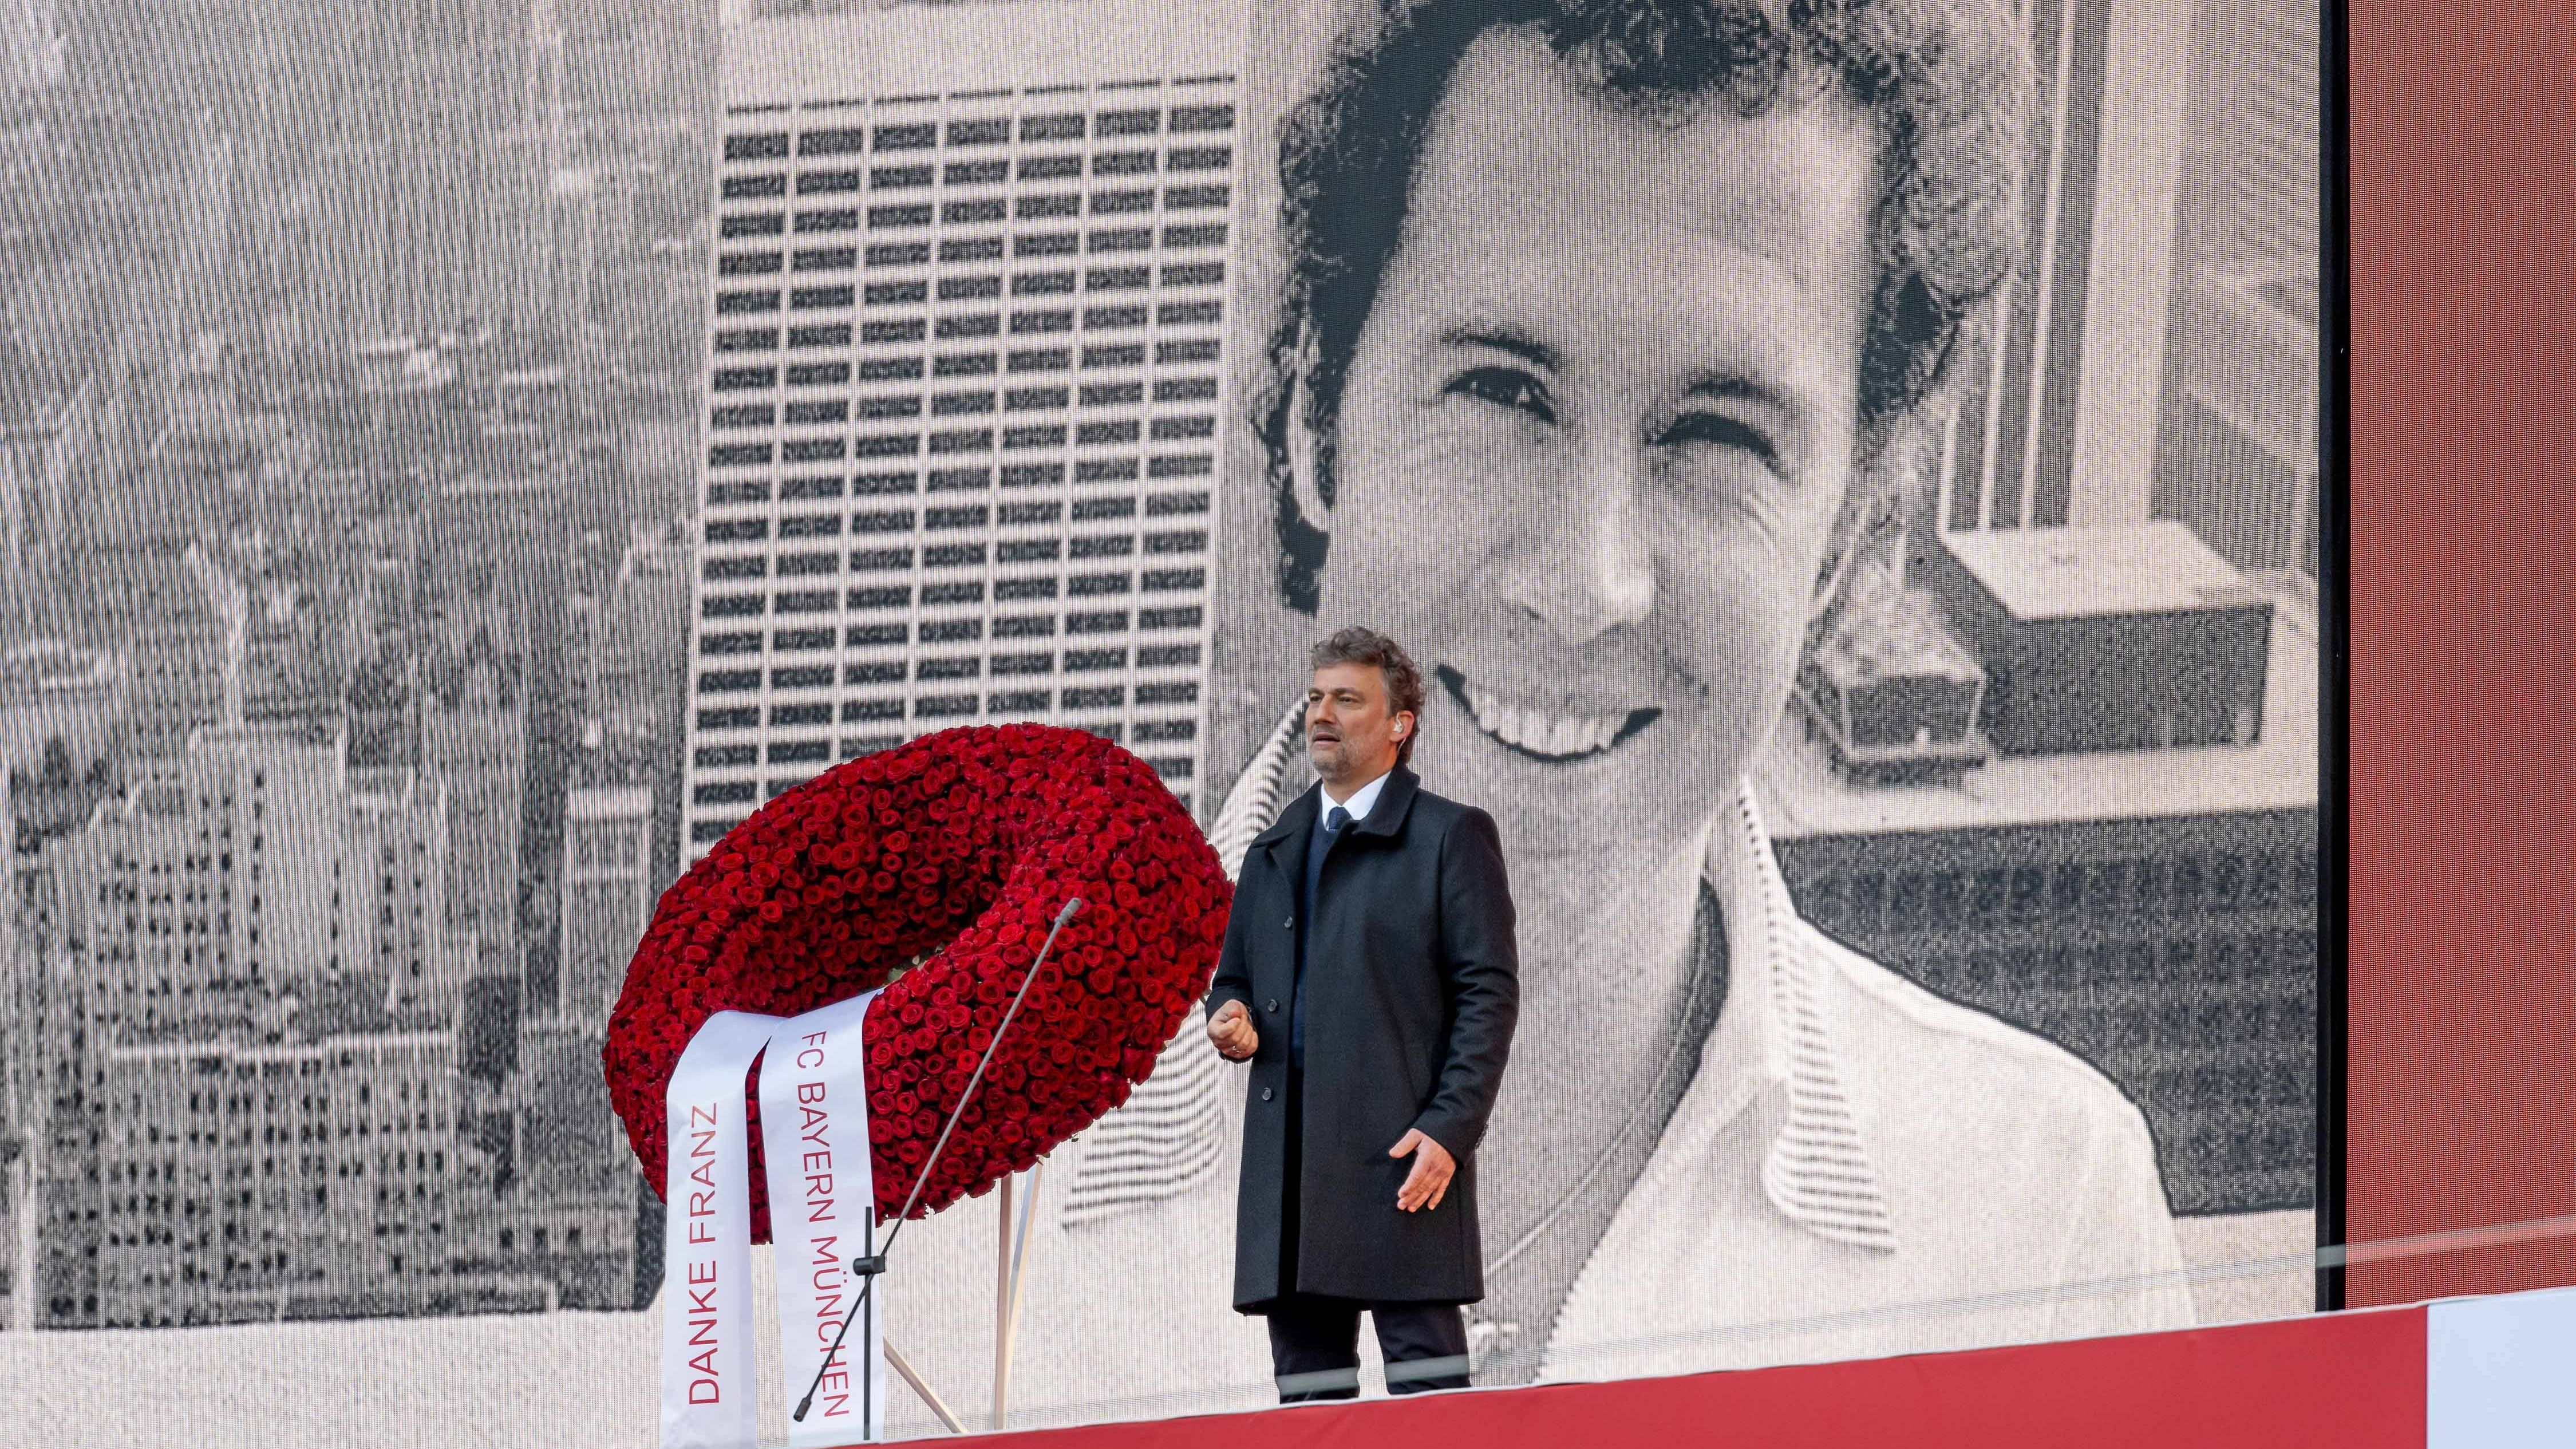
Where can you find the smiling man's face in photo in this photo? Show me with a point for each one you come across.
(1596, 435)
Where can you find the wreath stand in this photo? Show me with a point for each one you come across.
(1009, 1274)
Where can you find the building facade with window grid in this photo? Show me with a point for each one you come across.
(2236, 457)
(2060, 400)
(607, 897)
(264, 1183)
(965, 386)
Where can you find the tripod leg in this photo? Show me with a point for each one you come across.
(1002, 1309)
(921, 1386)
(1014, 1274)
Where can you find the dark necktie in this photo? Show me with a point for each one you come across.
(1334, 821)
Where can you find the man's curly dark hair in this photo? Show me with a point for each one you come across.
(1945, 82)
(1405, 691)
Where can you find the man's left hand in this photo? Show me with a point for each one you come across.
(1428, 1182)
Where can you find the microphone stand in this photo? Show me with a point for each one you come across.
(873, 1265)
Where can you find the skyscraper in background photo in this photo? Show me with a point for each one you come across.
(433, 171)
(965, 384)
(2156, 356)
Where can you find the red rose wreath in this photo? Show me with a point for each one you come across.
(959, 847)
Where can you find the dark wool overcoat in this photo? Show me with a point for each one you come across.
(1412, 991)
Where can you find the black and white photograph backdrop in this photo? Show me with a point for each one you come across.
(1848, 469)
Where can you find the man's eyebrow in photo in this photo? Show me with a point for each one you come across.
(1502, 337)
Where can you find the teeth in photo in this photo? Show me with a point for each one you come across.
(1527, 727)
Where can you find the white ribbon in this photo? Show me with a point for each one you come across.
(822, 1195)
(706, 1239)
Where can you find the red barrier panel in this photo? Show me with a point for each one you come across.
(2354, 1380)
(2462, 1108)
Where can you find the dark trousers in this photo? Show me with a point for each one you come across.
(1315, 1346)
(1315, 1340)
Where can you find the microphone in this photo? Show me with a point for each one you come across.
(873, 1265)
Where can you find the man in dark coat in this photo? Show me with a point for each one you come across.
(1370, 977)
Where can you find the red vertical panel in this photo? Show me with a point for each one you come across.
(2355, 1381)
(2462, 1102)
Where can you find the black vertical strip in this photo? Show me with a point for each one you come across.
(651, 1222)
(2060, 383)
(870, 1359)
(2334, 619)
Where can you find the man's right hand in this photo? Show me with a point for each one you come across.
(1231, 1030)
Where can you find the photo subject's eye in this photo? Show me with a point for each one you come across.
(1506, 387)
(1720, 430)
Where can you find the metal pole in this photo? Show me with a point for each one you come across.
(922, 1178)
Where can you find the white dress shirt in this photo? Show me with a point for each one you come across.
(1363, 799)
